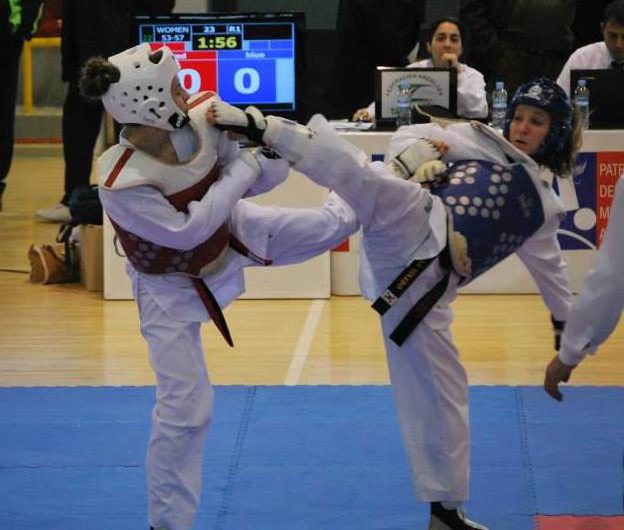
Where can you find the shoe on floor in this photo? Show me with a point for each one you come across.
(443, 519)
(56, 214)
(46, 265)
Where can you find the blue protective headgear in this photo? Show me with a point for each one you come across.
(547, 95)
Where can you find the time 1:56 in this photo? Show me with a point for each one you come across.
(217, 42)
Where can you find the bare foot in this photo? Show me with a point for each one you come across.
(211, 117)
(441, 146)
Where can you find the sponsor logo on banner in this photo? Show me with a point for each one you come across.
(609, 167)
(589, 199)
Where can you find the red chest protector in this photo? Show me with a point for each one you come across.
(151, 258)
(130, 168)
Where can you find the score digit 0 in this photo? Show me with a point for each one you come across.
(190, 80)
(246, 81)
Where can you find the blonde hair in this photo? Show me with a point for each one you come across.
(562, 163)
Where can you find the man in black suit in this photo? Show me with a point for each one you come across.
(18, 22)
(370, 34)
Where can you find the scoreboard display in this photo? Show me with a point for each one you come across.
(247, 58)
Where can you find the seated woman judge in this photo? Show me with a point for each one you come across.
(444, 43)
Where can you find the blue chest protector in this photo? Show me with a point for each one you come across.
(492, 209)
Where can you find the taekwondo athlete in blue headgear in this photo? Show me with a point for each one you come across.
(548, 96)
(419, 245)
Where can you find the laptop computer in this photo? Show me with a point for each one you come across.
(606, 89)
(433, 89)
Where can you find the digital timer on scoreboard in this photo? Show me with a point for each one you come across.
(247, 58)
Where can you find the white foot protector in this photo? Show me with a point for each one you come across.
(288, 138)
(407, 162)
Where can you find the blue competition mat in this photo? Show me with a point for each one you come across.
(305, 457)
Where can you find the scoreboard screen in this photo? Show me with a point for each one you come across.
(247, 58)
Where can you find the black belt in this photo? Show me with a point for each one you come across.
(419, 311)
(400, 285)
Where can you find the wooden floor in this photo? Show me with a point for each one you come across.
(64, 335)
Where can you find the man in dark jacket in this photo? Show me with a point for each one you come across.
(370, 34)
(518, 40)
(18, 22)
(587, 21)
(93, 28)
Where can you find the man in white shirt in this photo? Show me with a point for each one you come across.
(608, 53)
(598, 307)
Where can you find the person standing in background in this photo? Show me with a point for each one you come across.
(19, 20)
(370, 34)
(607, 53)
(597, 308)
(516, 41)
(94, 28)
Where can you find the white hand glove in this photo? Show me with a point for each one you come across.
(251, 159)
(432, 172)
(249, 123)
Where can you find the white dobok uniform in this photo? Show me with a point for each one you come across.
(598, 307)
(169, 306)
(402, 222)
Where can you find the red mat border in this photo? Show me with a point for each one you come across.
(579, 522)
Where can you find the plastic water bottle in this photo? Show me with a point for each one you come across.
(404, 104)
(581, 101)
(499, 106)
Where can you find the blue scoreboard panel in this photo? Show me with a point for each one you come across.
(248, 59)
